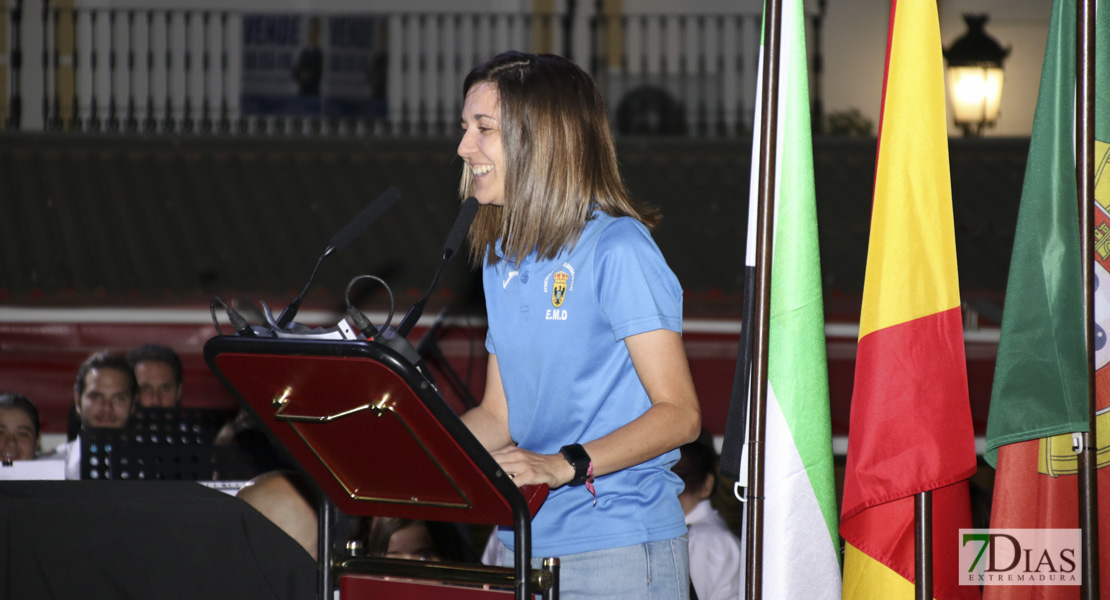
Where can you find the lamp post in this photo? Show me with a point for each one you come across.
(975, 76)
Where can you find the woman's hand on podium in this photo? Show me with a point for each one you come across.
(529, 468)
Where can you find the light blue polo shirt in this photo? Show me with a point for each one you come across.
(558, 328)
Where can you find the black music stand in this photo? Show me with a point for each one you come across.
(166, 444)
(370, 428)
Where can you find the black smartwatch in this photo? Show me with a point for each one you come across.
(578, 458)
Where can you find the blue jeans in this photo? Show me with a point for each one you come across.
(649, 571)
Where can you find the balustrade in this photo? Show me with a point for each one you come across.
(203, 70)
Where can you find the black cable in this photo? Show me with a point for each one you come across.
(360, 320)
(212, 309)
(240, 324)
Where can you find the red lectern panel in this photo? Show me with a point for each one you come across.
(367, 586)
(369, 429)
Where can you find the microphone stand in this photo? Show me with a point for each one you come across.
(428, 348)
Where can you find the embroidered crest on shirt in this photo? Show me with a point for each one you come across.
(559, 289)
(561, 282)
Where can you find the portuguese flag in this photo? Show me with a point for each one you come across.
(910, 428)
(1040, 381)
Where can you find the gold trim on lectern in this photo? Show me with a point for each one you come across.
(380, 408)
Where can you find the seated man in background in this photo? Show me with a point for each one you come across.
(104, 396)
(158, 372)
(19, 428)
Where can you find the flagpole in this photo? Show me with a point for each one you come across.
(765, 218)
(923, 545)
(1084, 165)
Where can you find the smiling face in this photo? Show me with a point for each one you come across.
(481, 147)
(17, 435)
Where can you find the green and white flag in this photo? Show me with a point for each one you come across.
(801, 557)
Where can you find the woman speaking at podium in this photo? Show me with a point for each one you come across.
(588, 389)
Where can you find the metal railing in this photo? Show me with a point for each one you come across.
(194, 70)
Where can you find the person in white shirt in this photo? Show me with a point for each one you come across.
(714, 550)
(104, 395)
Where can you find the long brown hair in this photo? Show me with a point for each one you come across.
(559, 159)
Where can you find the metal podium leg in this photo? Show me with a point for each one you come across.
(325, 522)
(552, 564)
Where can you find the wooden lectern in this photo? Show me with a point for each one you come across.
(366, 422)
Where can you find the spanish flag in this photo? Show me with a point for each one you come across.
(910, 428)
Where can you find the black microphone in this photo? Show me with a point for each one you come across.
(451, 247)
(363, 220)
(339, 241)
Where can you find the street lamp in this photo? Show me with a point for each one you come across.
(975, 76)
